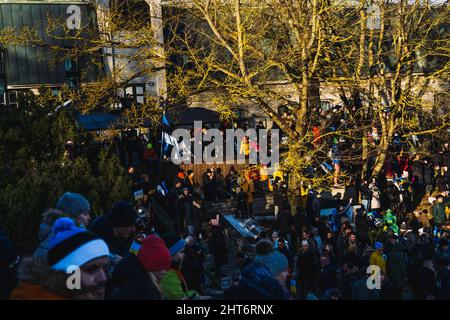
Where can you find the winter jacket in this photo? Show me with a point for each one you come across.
(286, 222)
(353, 250)
(427, 283)
(39, 282)
(376, 258)
(256, 284)
(279, 198)
(242, 202)
(366, 194)
(174, 286)
(192, 267)
(306, 266)
(349, 278)
(417, 170)
(362, 228)
(360, 291)
(439, 213)
(218, 246)
(376, 196)
(248, 188)
(396, 264)
(102, 227)
(327, 277)
(187, 210)
(130, 281)
(427, 175)
(46, 234)
(313, 206)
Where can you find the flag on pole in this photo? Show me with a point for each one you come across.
(164, 120)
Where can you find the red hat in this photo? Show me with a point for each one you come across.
(154, 255)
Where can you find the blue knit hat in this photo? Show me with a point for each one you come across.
(378, 245)
(73, 204)
(73, 246)
(273, 260)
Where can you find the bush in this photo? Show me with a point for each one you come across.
(33, 176)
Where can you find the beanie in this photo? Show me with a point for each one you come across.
(73, 204)
(174, 243)
(122, 214)
(153, 254)
(273, 260)
(73, 246)
(378, 245)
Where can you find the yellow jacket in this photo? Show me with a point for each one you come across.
(245, 148)
(377, 259)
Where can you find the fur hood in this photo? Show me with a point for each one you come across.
(48, 219)
(39, 281)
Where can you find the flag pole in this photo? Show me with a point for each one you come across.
(162, 136)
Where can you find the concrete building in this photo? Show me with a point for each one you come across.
(34, 66)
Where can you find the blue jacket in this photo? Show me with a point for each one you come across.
(256, 284)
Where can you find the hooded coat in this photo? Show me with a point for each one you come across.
(45, 233)
(174, 286)
(39, 282)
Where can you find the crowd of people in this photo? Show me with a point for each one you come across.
(153, 248)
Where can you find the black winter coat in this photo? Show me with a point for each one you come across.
(130, 282)
(366, 194)
(103, 228)
(218, 246)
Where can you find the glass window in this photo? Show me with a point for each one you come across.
(129, 90)
(70, 65)
(12, 96)
(2, 99)
(2, 87)
(13, 99)
(130, 14)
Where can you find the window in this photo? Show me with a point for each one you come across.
(70, 66)
(3, 99)
(136, 92)
(72, 82)
(71, 71)
(13, 97)
(240, 113)
(325, 105)
(130, 15)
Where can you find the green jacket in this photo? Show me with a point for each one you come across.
(174, 287)
(439, 213)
